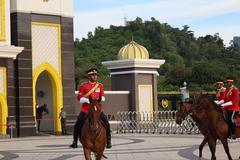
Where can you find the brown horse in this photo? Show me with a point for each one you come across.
(185, 110)
(93, 134)
(39, 114)
(210, 120)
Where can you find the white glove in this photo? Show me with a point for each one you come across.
(220, 102)
(216, 101)
(84, 100)
(103, 99)
(227, 104)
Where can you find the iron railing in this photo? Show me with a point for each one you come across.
(158, 122)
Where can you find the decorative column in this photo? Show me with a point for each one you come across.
(8, 53)
(135, 72)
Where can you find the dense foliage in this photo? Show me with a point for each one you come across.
(199, 61)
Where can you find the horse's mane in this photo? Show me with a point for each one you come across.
(93, 103)
(215, 106)
(90, 114)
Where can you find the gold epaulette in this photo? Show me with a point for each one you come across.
(222, 89)
(83, 83)
(100, 83)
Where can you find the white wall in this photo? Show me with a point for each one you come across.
(52, 7)
(145, 98)
(2, 89)
(45, 41)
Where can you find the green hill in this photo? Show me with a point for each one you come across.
(199, 61)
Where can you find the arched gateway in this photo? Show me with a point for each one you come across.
(47, 81)
(41, 70)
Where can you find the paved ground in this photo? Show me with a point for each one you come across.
(126, 147)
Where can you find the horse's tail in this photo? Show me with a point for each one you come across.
(102, 156)
(105, 156)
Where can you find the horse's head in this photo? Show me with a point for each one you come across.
(95, 107)
(205, 103)
(184, 111)
(44, 108)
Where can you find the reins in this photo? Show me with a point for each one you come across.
(96, 127)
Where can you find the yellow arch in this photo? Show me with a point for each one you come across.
(4, 114)
(56, 82)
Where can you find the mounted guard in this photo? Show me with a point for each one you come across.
(220, 92)
(231, 105)
(94, 90)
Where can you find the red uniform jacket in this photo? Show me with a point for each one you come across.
(232, 95)
(221, 94)
(85, 88)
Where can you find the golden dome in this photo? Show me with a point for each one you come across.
(133, 51)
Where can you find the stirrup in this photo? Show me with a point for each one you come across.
(233, 136)
(73, 145)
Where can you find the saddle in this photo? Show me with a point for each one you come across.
(236, 119)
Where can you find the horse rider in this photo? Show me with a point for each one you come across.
(95, 90)
(231, 105)
(220, 92)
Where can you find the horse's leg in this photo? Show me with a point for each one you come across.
(226, 148)
(201, 146)
(212, 146)
(87, 154)
(39, 125)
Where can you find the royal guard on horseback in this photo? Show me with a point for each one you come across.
(231, 105)
(95, 90)
(220, 92)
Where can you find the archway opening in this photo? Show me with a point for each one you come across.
(46, 70)
(44, 96)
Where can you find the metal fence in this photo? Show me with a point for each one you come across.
(159, 122)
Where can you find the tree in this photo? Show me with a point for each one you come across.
(207, 73)
(198, 60)
(177, 74)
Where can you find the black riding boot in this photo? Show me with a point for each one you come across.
(233, 128)
(77, 129)
(231, 125)
(108, 131)
(231, 131)
(75, 137)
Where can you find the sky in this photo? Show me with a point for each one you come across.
(203, 16)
